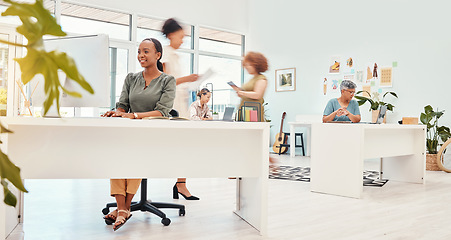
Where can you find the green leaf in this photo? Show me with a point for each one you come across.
(369, 94)
(11, 172)
(67, 64)
(3, 129)
(37, 22)
(431, 146)
(392, 93)
(390, 107)
(9, 197)
(438, 114)
(423, 118)
(428, 109)
(361, 102)
(375, 106)
(47, 64)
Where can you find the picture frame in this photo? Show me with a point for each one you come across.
(285, 80)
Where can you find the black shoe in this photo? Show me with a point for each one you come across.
(175, 193)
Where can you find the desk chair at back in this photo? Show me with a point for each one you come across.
(145, 205)
(174, 113)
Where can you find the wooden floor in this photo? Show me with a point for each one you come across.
(71, 209)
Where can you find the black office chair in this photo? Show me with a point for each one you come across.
(146, 205)
(174, 113)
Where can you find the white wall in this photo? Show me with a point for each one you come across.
(305, 34)
(226, 15)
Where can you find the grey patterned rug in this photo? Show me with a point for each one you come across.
(370, 178)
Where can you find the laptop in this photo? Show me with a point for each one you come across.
(228, 115)
(380, 116)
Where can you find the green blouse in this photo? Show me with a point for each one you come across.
(158, 96)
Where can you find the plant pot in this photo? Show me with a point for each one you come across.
(431, 162)
(215, 116)
(376, 114)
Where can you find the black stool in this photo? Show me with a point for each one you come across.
(296, 135)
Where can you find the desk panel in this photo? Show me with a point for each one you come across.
(124, 148)
(338, 152)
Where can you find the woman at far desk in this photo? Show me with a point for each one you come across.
(199, 109)
(147, 93)
(343, 108)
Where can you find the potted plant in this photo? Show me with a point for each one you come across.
(215, 115)
(375, 102)
(434, 132)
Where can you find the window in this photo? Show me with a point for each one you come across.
(87, 20)
(216, 41)
(4, 57)
(119, 70)
(151, 28)
(48, 4)
(219, 50)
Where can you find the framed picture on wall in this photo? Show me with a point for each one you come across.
(286, 79)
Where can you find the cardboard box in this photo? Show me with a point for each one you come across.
(410, 120)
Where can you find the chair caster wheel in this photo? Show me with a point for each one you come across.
(166, 221)
(182, 212)
(105, 211)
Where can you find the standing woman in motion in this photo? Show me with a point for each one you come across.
(253, 91)
(147, 93)
(171, 65)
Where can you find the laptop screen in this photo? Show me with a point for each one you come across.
(380, 117)
(228, 114)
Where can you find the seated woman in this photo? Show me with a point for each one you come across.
(343, 108)
(144, 94)
(199, 109)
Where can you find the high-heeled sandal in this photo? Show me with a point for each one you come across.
(108, 219)
(121, 219)
(175, 193)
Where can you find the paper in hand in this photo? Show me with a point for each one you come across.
(194, 86)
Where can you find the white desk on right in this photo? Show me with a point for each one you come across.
(338, 151)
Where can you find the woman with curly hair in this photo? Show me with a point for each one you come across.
(252, 91)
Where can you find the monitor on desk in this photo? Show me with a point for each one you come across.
(91, 55)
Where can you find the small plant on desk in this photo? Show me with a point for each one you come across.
(374, 100)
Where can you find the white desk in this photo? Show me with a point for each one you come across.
(293, 126)
(97, 148)
(338, 151)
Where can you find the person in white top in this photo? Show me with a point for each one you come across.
(199, 109)
(171, 65)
